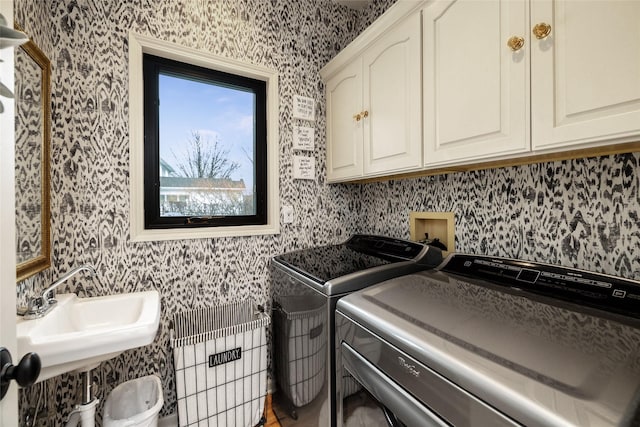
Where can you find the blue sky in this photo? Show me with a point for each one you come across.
(213, 111)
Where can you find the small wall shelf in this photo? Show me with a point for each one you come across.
(439, 225)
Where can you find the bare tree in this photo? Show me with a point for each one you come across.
(205, 159)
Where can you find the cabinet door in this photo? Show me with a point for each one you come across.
(475, 87)
(391, 77)
(585, 76)
(344, 133)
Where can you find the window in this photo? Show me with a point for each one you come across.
(203, 144)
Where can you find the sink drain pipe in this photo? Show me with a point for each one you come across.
(84, 413)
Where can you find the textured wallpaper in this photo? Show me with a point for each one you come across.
(581, 213)
(90, 160)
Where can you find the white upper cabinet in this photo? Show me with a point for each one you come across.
(374, 102)
(585, 74)
(475, 88)
(499, 83)
(344, 133)
(471, 81)
(392, 101)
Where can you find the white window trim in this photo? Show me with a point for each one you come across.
(140, 44)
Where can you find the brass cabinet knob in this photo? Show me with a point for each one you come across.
(541, 30)
(361, 115)
(515, 43)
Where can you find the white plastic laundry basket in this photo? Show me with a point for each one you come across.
(220, 358)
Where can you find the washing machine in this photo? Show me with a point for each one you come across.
(307, 284)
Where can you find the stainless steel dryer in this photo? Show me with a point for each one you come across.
(484, 341)
(307, 284)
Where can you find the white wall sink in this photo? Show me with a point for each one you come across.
(79, 333)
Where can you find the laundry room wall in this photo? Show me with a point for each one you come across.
(87, 43)
(582, 213)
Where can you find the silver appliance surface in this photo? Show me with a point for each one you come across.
(357, 263)
(306, 287)
(489, 341)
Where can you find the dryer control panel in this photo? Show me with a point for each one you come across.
(601, 291)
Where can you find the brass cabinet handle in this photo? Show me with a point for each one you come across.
(541, 30)
(365, 114)
(357, 117)
(515, 43)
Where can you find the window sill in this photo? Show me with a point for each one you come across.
(203, 233)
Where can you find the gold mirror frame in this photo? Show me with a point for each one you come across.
(42, 261)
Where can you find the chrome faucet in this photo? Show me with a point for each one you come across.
(39, 306)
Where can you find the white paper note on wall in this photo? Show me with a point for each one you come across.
(304, 108)
(303, 138)
(304, 167)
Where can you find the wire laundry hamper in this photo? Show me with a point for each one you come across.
(220, 358)
(300, 340)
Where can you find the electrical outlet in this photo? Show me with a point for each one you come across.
(287, 214)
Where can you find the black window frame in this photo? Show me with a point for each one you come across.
(153, 66)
